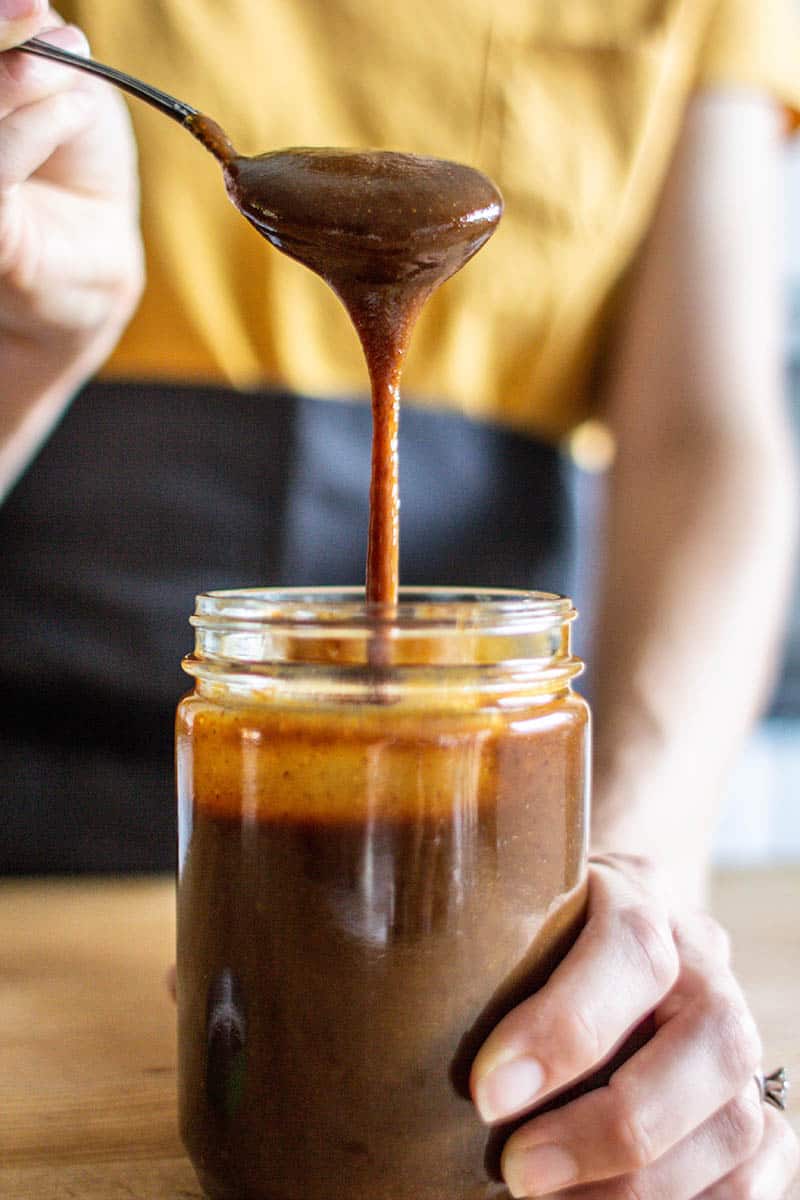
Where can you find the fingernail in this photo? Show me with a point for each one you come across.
(540, 1171)
(508, 1088)
(68, 37)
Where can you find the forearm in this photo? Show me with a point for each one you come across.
(26, 420)
(697, 569)
(701, 517)
(36, 389)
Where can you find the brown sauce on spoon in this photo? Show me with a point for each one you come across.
(384, 230)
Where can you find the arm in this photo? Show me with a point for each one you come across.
(701, 520)
(697, 566)
(70, 256)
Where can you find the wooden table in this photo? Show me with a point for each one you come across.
(87, 1049)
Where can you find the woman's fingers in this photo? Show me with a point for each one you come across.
(20, 19)
(31, 135)
(674, 1105)
(42, 106)
(768, 1174)
(26, 78)
(101, 158)
(716, 1150)
(45, 286)
(695, 1065)
(621, 967)
(723, 1160)
(70, 256)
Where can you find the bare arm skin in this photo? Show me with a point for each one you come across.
(71, 265)
(703, 495)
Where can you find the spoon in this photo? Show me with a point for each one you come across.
(387, 215)
(383, 229)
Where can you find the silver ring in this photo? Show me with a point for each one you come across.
(774, 1087)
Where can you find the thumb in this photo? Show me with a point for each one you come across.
(21, 19)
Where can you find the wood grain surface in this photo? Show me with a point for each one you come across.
(87, 1045)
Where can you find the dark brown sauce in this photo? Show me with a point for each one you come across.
(384, 230)
(362, 899)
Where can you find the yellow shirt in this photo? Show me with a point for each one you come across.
(572, 106)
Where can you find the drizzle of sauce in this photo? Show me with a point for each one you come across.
(384, 230)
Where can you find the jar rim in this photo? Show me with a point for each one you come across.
(420, 610)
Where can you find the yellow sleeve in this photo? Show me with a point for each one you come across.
(755, 43)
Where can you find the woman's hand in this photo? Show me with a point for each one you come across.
(682, 1118)
(70, 254)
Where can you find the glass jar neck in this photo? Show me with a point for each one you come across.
(491, 643)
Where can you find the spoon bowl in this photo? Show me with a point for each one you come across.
(408, 220)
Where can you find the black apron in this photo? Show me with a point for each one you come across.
(147, 494)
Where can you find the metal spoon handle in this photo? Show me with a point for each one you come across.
(184, 113)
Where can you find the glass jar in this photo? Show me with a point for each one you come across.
(383, 824)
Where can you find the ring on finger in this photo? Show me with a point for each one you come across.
(774, 1088)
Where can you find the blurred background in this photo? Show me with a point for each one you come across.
(761, 813)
